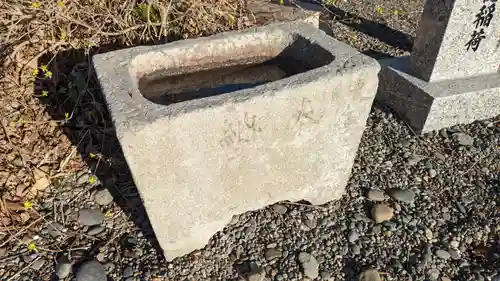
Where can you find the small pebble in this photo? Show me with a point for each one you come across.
(103, 197)
(91, 271)
(90, 217)
(356, 249)
(279, 209)
(376, 195)
(370, 275)
(63, 267)
(381, 213)
(83, 179)
(257, 275)
(309, 264)
(272, 253)
(442, 254)
(38, 264)
(94, 230)
(128, 271)
(403, 195)
(55, 229)
(325, 275)
(432, 173)
(464, 139)
(353, 236)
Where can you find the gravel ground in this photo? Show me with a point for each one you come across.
(416, 207)
(437, 196)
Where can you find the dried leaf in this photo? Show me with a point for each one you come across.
(40, 185)
(5, 221)
(38, 174)
(24, 217)
(41, 181)
(14, 206)
(20, 190)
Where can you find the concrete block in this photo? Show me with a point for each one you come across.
(429, 106)
(226, 143)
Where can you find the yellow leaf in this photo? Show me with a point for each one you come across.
(32, 247)
(92, 155)
(41, 184)
(107, 214)
(380, 10)
(28, 205)
(45, 93)
(48, 74)
(282, 2)
(44, 68)
(60, 4)
(63, 36)
(92, 179)
(66, 115)
(36, 4)
(232, 21)
(41, 181)
(34, 72)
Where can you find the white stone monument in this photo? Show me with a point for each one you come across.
(452, 74)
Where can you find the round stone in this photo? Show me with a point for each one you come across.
(463, 139)
(353, 236)
(381, 213)
(94, 230)
(279, 209)
(309, 264)
(103, 197)
(376, 195)
(91, 271)
(63, 267)
(90, 217)
(370, 275)
(403, 195)
(128, 271)
(442, 254)
(272, 253)
(356, 249)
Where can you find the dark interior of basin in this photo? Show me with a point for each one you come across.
(187, 83)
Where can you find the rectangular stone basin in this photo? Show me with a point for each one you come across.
(217, 126)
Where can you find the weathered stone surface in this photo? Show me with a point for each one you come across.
(440, 48)
(432, 106)
(199, 161)
(447, 80)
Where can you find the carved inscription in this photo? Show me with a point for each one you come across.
(306, 114)
(239, 133)
(482, 20)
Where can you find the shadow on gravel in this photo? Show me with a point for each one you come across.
(382, 32)
(377, 55)
(73, 98)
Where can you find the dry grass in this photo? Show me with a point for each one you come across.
(88, 23)
(54, 122)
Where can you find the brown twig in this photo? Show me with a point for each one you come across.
(20, 232)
